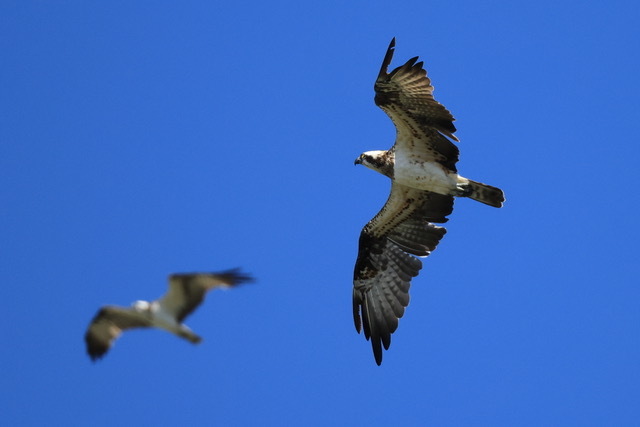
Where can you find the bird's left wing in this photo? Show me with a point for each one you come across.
(386, 263)
(406, 95)
(187, 290)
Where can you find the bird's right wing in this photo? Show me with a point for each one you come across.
(106, 327)
(387, 259)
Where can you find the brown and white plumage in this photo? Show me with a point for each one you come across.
(422, 167)
(186, 293)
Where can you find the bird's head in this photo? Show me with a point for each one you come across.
(377, 160)
(141, 306)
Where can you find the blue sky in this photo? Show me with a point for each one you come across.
(144, 138)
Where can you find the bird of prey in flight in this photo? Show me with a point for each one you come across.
(186, 293)
(424, 180)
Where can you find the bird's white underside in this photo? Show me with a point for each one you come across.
(414, 172)
(161, 318)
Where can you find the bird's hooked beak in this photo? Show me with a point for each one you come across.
(358, 160)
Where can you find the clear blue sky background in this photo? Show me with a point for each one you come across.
(144, 138)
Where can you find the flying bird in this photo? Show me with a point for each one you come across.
(424, 180)
(186, 293)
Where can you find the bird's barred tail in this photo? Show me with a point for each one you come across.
(486, 194)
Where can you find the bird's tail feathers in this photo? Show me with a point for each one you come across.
(492, 196)
(189, 335)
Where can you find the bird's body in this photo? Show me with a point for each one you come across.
(410, 170)
(422, 167)
(186, 293)
(161, 318)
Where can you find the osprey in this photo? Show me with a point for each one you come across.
(424, 181)
(186, 293)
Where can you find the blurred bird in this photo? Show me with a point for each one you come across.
(186, 293)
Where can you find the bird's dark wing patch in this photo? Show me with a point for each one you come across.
(187, 290)
(106, 327)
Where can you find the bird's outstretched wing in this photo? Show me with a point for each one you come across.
(106, 327)
(406, 95)
(187, 290)
(387, 259)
